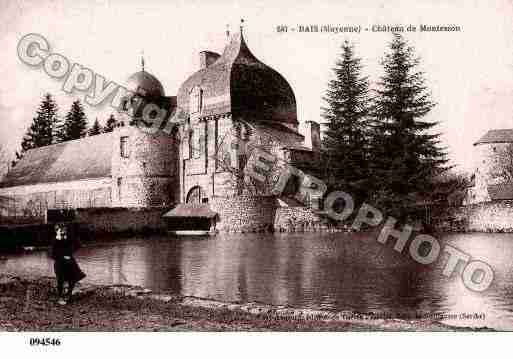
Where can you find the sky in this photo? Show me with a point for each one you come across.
(469, 73)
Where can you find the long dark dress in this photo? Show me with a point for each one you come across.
(66, 269)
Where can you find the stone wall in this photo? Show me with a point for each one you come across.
(116, 220)
(244, 213)
(147, 172)
(225, 145)
(136, 191)
(494, 216)
(202, 167)
(298, 219)
(492, 163)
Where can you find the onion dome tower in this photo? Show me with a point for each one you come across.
(145, 84)
(237, 83)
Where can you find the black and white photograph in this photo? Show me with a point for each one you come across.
(260, 166)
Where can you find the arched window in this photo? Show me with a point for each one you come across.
(196, 100)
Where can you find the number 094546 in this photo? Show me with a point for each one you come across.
(45, 341)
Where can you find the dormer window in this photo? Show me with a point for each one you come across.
(196, 100)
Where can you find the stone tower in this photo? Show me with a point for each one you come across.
(493, 174)
(232, 99)
(143, 168)
(144, 165)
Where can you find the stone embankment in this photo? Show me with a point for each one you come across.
(254, 214)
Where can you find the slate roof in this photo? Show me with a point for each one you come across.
(191, 210)
(501, 191)
(285, 135)
(241, 84)
(145, 84)
(89, 157)
(497, 136)
(297, 148)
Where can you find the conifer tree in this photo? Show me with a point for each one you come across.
(95, 129)
(41, 131)
(75, 123)
(345, 148)
(406, 155)
(110, 124)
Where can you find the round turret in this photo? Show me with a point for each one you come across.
(144, 170)
(493, 176)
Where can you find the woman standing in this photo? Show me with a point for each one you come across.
(65, 266)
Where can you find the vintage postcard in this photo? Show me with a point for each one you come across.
(283, 166)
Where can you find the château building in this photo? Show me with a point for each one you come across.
(232, 102)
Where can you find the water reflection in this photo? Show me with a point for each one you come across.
(331, 271)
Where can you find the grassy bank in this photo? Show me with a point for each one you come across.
(29, 304)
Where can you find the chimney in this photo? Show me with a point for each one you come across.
(207, 58)
(313, 136)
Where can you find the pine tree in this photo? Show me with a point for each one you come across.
(41, 131)
(345, 148)
(95, 129)
(111, 124)
(75, 123)
(406, 154)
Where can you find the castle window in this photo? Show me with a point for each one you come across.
(119, 188)
(124, 104)
(202, 140)
(124, 149)
(191, 144)
(197, 144)
(195, 100)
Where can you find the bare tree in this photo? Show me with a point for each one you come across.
(233, 152)
(505, 163)
(4, 161)
(4, 168)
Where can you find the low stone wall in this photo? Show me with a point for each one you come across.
(298, 219)
(241, 214)
(244, 213)
(496, 216)
(116, 220)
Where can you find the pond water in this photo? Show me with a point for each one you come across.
(336, 271)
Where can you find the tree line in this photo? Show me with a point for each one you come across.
(47, 128)
(377, 144)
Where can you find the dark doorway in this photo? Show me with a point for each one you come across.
(195, 195)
